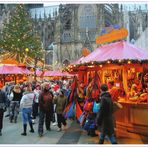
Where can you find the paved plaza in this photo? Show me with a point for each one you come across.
(73, 135)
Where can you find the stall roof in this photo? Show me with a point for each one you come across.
(78, 61)
(56, 74)
(121, 50)
(13, 69)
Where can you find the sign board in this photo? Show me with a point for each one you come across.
(114, 35)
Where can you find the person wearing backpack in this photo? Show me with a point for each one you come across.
(3, 104)
(105, 116)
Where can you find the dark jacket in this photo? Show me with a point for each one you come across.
(105, 118)
(46, 102)
(3, 100)
(17, 96)
(60, 102)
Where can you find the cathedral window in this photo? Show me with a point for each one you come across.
(66, 37)
(87, 18)
(108, 15)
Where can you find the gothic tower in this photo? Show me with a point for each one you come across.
(78, 25)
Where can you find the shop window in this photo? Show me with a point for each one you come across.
(66, 37)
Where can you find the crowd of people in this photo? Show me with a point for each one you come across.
(48, 101)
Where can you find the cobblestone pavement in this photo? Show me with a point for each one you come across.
(73, 135)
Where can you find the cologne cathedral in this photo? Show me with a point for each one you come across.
(66, 30)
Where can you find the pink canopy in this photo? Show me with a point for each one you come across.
(11, 69)
(78, 61)
(56, 74)
(117, 51)
(39, 73)
(25, 70)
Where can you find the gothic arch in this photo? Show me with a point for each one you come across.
(87, 20)
(87, 15)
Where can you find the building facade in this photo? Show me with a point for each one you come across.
(75, 26)
(66, 29)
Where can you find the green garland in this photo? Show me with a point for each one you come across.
(75, 67)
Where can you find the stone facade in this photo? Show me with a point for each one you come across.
(71, 27)
(78, 25)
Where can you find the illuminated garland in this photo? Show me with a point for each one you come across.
(91, 64)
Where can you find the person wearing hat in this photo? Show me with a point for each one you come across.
(16, 95)
(3, 104)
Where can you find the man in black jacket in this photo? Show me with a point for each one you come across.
(105, 118)
(3, 104)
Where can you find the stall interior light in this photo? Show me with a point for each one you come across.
(91, 66)
(108, 62)
(100, 65)
(129, 62)
(119, 60)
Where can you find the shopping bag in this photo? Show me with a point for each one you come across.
(96, 107)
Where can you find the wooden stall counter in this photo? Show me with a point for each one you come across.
(133, 117)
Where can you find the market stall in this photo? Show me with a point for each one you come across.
(127, 66)
(56, 75)
(12, 72)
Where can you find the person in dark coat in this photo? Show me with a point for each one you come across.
(14, 104)
(105, 116)
(3, 105)
(45, 108)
